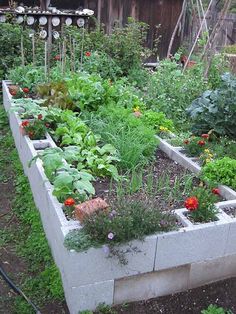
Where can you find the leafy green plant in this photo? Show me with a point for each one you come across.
(221, 171)
(216, 110)
(86, 91)
(201, 205)
(214, 309)
(157, 120)
(56, 94)
(28, 76)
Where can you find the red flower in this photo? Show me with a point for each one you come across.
(47, 125)
(88, 54)
(216, 191)
(205, 136)
(25, 123)
(186, 142)
(13, 92)
(40, 116)
(57, 58)
(201, 143)
(26, 90)
(69, 202)
(191, 203)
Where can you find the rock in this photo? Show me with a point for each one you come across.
(89, 207)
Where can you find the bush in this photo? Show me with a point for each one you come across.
(222, 171)
(214, 309)
(171, 91)
(216, 110)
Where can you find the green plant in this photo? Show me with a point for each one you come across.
(56, 94)
(171, 90)
(221, 171)
(102, 64)
(127, 220)
(216, 110)
(105, 309)
(201, 205)
(35, 129)
(214, 309)
(195, 145)
(134, 141)
(86, 91)
(27, 76)
(230, 49)
(157, 120)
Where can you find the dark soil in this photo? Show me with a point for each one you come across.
(163, 173)
(221, 293)
(230, 210)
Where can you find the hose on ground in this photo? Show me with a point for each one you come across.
(17, 290)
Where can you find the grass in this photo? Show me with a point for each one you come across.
(42, 282)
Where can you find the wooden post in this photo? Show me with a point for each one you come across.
(99, 11)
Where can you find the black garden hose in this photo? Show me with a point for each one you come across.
(17, 290)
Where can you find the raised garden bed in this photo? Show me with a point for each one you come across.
(160, 264)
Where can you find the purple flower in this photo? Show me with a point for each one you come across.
(106, 249)
(112, 214)
(110, 236)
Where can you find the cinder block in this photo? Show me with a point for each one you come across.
(212, 270)
(191, 245)
(151, 285)
(90, 296)
(139, 254)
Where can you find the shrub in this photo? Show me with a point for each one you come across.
(230, 49)
(221, 171)
(102, 64)
(216, 110)
(171, 90)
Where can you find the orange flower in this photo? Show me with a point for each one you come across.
(88, 54)
(205, 136)
(69, 202)
(191, 203)
(186, 142)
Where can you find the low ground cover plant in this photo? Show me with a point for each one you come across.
(214, 309)
(221, 171)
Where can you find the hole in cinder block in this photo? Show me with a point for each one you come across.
(41, 145)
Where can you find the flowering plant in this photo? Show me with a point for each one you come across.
(35, 129)
(201, 204)
(196, 145)
(207, 156)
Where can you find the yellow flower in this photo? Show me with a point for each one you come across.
(207, 151)
(208, 160)
(210, 155)
(136, 109)
(164, 129)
